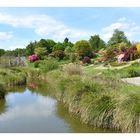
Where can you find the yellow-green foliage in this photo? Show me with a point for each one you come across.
(40, 51)
(82, 47)
(138, 50)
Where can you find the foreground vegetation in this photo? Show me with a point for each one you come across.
(10, 77)
(99, 100)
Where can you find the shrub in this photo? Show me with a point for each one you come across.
(36, 64)
(135, 64)
(40, 52)
(59, 47)
(137, 53)
(86, 60)
(123, 47)
(73, 57)
(129, 54)
(58, 54)
(48, 65)
(72, 69)
(33, 58)
(133, 72)
(82, 48)
(110, 53)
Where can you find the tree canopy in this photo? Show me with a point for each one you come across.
(82, 48)
(2, 52)
(117, 38)
(96, 43)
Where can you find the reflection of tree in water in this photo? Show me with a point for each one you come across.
(38, 87)
(19, 89)
(3, 106)
(75, 123)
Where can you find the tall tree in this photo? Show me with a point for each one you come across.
(30, 48)
(2, 52)
(59, 46)
(117, 38)
(46, 43)
(96, 43)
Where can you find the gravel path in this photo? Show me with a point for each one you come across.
(134, 81)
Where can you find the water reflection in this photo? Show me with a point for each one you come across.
(30, 109)
(30, 112)
(3, 106)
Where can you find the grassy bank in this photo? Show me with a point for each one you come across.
(103, 101)
(10, 77)
(98, 97)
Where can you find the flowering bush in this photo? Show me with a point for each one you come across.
(137, 52)
(129, 54)
(33, 58)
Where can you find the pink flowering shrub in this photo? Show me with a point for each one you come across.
(33, 58)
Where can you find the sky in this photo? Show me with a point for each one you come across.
(19, 26)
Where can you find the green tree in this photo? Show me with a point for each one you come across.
(68, 50)
(82, 48)
(66, 40)
(117, 38)
(9, 53)
(48, 44)
(2, 52)
(59, 46)
(30, 48)
(96, 43)
(19, 52)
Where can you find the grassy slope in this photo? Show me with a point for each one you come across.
(98, 97)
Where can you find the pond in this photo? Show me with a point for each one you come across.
(30, 110)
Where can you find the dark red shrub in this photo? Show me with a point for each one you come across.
(58, 54)
(129, 54)
(86, 60)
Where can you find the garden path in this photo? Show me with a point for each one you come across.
(133, 81)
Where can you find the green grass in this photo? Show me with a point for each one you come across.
(97, 96)
(131, 71)
(12, 76)
(99, 100)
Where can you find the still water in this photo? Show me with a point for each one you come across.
(29, 111)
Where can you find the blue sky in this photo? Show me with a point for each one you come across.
(19, 26)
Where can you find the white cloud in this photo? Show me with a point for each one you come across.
(43, 25)
(30, 109)
(5, 35)
(122, 19)
(130, 28)
(12, 47)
